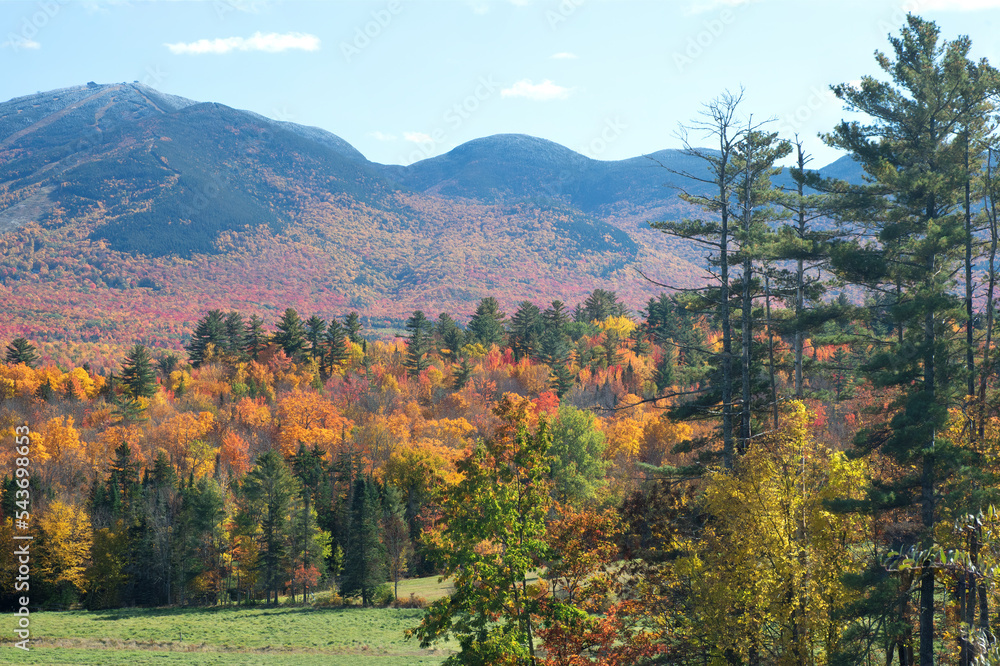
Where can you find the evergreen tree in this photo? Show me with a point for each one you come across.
(556, 317)
(335, 346)
(307, 540)
(255, 336)
(267, 492)
(418, 343)
(210, 330)
(138, 376)
(167, 364)
(352, 324)
(487, 324)
(755, 209)
(198, 530)
(562, 378)
(22, 351)
(396, 536)
(235, 343)
(913, 151)
(364, 558)
(449, 336)
(720, 124)
(526, 329)
(291, 335)
(45, 391)
(600, 305)
(315, 330)
(462, 374)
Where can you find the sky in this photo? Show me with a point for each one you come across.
(403, 80)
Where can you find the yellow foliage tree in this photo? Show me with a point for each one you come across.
(765, 578)
(64, 541)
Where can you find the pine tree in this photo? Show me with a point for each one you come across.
(291, 335)
(720, 124)
(210, 330)
(138, 376)
(755, 209)
(255, 336)
(487, 324)
(556, 317)
(21, 351)
(267, 491)
(526, 329)
(364, 558)
(913, 151)
(600, 305)
(396, 536)
(352, 324)
(450, 338)
(315, 330)
(335, 346)
(418, 344)
(235, 345)
(307, 539)
(462, 374)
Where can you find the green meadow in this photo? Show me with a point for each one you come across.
(284, 635)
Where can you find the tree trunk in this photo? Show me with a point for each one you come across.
(770, 346)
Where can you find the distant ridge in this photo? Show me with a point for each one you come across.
(117, 199)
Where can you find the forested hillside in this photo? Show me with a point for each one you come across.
(125, 214)
(792, 459)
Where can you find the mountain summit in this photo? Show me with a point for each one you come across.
(143, 201)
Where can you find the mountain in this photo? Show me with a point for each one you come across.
(126, 213)
(515, 166)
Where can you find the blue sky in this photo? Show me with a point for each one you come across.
(407, 79)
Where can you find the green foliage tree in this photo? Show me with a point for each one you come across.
(267, 492)
(21, 351)
(487, 324)
(576, 456)
(395, 536)
(315, 330)
(493, 536)
(600, 305)
(335, 346)
(364, 557)
(198, 532)
(418, 343)
(352, 324)
(310, 545)
(526, 328)
(210, 329)
(913, 151)
(256, 337)
(291, 335)
(236, 342)
(448, 336)
(138, 377)
(719, 122)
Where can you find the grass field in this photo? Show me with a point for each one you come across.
(283, 635)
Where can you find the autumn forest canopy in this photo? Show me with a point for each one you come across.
(793, 461)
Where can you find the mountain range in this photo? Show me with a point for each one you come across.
(125, 213)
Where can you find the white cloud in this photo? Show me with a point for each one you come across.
(563, 56)
(418, 137)
(382, 136)
(17, 43)
(544, 91)
(271, 42)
